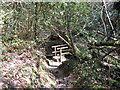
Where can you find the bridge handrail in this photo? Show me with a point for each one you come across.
(55, 46)
(62, 50)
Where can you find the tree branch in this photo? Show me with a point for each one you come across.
(61, 37)
(107, 44)
(109, 53)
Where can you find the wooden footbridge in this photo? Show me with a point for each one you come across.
(59, 52)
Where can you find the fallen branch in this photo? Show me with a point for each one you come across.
(62, 37)
(107, 44)
(109, 53)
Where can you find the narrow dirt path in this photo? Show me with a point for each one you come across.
(61, 80)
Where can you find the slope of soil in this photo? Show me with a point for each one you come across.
(23, 71)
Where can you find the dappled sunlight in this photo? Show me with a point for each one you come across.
(59, 45)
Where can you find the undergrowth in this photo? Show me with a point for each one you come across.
(90, 74)
(23, 66)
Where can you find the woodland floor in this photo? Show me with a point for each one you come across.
(30, 68)
(23, 71)
(62, 81)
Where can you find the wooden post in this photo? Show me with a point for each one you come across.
(60, 51)
(55, 52)
(60, 54)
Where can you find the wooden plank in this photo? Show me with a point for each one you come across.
(53, 63)
(66, 53)
(62, 48)
(56, 58)
(59, 45)
(56, 52)
(62, 51)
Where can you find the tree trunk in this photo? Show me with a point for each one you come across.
(69, 30)
(36, 20)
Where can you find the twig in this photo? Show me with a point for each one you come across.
(109, 53)
(82, 29)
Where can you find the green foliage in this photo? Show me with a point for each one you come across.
(90, 73)
(84, 53)
(27, 24)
